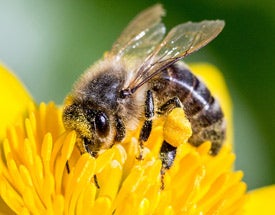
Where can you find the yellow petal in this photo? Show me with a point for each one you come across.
(14, 99)
(261, 201)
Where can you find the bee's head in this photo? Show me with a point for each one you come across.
(94, 108)
(91, 123)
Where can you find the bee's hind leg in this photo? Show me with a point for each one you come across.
(170, 105)
(68, 167)
(147, 125)
(168, 152)
(167, 155)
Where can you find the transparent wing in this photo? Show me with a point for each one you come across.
(142, 34)
(181, 41)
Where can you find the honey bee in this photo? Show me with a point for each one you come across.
(141, 78)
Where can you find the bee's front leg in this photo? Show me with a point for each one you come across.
(147, 125)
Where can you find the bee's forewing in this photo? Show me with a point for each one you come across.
(142, 34)
(187, 38)
(181, 41)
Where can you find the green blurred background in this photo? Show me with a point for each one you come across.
(49, 43)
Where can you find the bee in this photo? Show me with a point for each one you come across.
(141, 78)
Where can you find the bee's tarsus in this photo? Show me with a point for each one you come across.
(68, 167)
(96, 182)
(162, 173)
(140, 153)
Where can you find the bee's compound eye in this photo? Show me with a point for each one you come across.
(102, 124)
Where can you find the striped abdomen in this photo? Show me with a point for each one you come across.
(201, 108)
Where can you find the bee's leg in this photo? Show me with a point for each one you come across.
(120, 129)
(147, 126)
(170, 105)
(167, 155)
(68, 167)
(168, 152)
(93, 154)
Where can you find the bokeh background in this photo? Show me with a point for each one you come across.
(50, 43)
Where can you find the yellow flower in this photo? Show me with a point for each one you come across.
(35, 149)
